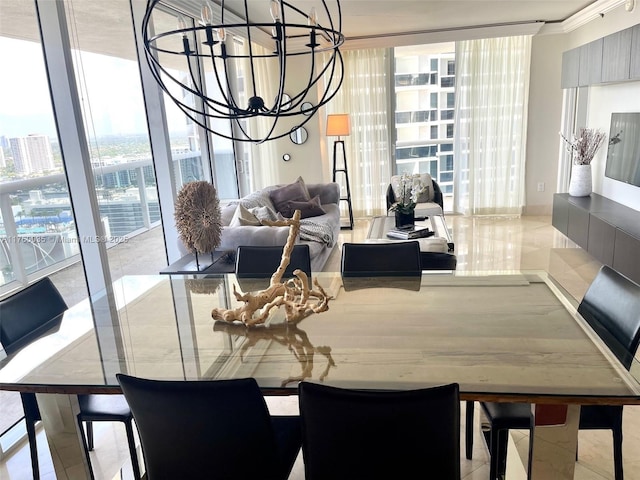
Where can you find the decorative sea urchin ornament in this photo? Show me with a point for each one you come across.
(198, 218)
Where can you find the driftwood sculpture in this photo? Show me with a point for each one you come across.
(295, 295)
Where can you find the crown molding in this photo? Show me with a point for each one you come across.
(596, 10)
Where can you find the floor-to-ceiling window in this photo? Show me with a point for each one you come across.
(37, 225)
(424, 85)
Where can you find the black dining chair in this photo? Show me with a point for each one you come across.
(381, 259)
(349, 434)
(25, 316)
(261, 262)
(221, 427)
(611, 306)
(255, 265)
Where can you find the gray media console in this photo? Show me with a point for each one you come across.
(606, 229)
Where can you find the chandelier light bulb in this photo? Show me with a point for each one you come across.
(222, 34)
(275, 10)
(206, 14)
(182, 25)
(313, 17)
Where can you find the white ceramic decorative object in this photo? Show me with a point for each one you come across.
(580, 183)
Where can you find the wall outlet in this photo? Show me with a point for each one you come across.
(541, 186)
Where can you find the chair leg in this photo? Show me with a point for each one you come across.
(89, 436)
(33, 448)
(469, 429)
(498, 450)
(85, 442)
(132, 450)
(617, 453)
(501, 456)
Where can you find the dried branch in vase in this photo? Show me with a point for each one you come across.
(585, 145)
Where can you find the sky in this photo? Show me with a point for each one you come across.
(113, 89)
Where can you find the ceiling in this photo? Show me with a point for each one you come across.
(365, 22)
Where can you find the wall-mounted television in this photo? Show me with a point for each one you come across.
(623, 153)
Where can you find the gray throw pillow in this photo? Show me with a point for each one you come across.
(294, 192)
(309, 208)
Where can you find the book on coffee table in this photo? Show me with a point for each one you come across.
(409, 232)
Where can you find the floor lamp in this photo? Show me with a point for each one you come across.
(339, 125)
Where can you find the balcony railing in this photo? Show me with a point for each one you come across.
(37, 229)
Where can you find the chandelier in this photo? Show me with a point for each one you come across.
(267, 69)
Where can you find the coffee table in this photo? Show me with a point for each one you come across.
(436, 252)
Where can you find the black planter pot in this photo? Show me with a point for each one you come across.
(405, 218)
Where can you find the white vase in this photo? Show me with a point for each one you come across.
(580, 183)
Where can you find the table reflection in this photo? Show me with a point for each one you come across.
(289, 335)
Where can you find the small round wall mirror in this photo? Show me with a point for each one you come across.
(306, 108)
(286, 157)
(298, 136)
(285, 103)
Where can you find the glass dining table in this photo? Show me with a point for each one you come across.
(502, 336)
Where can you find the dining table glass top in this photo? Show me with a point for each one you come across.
(503, 336)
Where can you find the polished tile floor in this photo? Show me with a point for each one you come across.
(482, 243)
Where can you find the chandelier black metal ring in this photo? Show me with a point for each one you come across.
(304, 53)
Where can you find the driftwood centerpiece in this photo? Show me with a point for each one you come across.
(295, 295)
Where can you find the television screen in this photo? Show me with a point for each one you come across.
(623, 154)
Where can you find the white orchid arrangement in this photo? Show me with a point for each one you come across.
(585, 145)
(407, 192)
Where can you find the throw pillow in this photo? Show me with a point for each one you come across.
(309, 208)
(264, 213)
(257, 199)
(294, 192)
(242, 216)
(427, 195)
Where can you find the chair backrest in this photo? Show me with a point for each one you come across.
(29, 312)
(261, 262)
(612, 307)
(381, 259)
(197, 429)
(350, 434)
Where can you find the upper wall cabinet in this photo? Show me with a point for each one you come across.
(616, 56)
(590, 68)
(570, 68)
(634, 70)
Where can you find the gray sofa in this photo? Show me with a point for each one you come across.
(319, 232)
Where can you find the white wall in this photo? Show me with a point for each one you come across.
(545, 111)
(307, 159)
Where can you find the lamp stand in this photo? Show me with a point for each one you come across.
(344, 171)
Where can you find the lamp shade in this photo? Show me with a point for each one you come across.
(338, 125)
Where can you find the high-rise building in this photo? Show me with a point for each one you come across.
(424, 111)
(3, 161)
(32, 153)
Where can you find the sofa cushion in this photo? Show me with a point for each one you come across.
(309, 208)
(242, 216)
(293, 192)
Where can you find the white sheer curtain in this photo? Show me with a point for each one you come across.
(492, 90)
(257, 158)
(365, 96)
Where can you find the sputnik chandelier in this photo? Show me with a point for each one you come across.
(257, 89)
